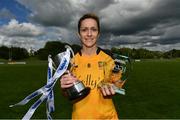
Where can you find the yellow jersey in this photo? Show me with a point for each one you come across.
(92, 70)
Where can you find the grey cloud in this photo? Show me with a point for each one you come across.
(136, 23)
(6, 14)
(50, 12)
(27, 42)
(156, 25)
(21, 29)
(62, 12)
(96, 5)
(164, 34)
(161, 11)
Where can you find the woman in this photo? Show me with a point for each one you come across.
(93, 67)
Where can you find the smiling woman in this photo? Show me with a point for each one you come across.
(90, 62)
(88, 34)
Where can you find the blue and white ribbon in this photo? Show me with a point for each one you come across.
(47, 90)
(50, 100)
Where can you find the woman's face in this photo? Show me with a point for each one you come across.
(89, 32)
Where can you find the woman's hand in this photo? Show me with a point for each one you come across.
(67, 80)
(107, 90)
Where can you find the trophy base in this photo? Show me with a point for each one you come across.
(77, 91)
(79, 95)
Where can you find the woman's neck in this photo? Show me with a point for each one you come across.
(89, 51)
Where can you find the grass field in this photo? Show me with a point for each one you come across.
(153, 91)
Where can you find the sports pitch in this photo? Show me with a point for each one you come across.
(152, 91)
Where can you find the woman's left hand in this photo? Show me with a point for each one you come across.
(107, 90)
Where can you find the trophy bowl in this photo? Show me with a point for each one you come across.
(76, 92)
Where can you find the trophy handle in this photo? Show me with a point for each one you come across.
(68, 47)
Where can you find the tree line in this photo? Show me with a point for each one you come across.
(13, 53)
(142, 53)
(55, 47)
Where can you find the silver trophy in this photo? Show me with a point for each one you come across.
(56, 68)
(78, 90)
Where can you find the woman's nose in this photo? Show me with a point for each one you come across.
(89, 32)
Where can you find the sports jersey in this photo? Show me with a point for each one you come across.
(92, 70)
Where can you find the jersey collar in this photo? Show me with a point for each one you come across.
(97, 51)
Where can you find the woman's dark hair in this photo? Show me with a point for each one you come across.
(86, 16)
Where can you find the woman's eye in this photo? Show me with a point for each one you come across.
(91, 29)
(83, 30)
(94, 29)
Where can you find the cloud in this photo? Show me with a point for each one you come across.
(136, 23)
(50, 12)
(29, 35)
(20, 29)
(6, 14)
(21, 34)
(20, 42)
(171, 35)
(131, 17)
(130, 23)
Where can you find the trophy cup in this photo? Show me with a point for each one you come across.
(123, 64)
(78, 90)
(120, 70)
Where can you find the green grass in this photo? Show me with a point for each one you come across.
(152, 91)
(18, 81)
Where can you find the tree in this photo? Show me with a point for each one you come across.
(172, 54)
(19, 53)
(51, 48)
(42, 54)
(14, 53)
(4, 52)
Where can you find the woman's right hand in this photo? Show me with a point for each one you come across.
(67, 80)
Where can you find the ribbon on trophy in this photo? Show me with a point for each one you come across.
(47, 90)
(50, 98)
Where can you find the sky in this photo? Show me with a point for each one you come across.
(149, 24)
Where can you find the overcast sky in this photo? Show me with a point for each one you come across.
(150, 24)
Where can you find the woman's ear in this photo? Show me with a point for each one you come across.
(78, 35)
(98, 35)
